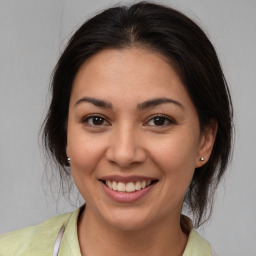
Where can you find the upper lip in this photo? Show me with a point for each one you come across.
(126, 179)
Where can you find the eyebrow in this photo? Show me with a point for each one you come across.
(96, 102)
(142, 106)
(155, 102)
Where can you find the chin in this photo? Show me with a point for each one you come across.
(127, 219)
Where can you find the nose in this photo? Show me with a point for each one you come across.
(126, 148)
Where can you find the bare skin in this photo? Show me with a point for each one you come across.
(131, 117)
(156, 240)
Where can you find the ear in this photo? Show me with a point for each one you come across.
(207, 140)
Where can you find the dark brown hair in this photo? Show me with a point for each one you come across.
(179, 39)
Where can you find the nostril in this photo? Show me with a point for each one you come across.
(125, 152)
(125, 160)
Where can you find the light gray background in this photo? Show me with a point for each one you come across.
(34, 32)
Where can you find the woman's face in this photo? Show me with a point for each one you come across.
(132, 124)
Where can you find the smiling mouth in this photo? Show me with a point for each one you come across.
(128, 187)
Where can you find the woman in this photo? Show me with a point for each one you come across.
(141, 117)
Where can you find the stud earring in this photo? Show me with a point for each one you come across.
(201, 158)
(68, 160)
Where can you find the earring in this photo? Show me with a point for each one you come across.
(68, 160)
(202, 158)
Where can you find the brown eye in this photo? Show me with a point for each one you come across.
(160, 121)
(95, 121)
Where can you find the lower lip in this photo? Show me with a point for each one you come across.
(126, 197)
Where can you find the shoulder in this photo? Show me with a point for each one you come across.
(30, 240)
(197, 245)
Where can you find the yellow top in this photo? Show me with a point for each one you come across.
(40, 240)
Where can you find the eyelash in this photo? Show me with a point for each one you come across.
(103, 119)
(87, 118)
(164, 117)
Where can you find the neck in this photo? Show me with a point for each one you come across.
(96, 238)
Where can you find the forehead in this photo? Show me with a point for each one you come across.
(134, 74)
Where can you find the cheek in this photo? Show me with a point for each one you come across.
(176, 159)
(175, 151)
(85, 152)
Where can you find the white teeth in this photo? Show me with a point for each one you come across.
(121, 187)
(114, 185)
(109, 184)
(127, 187)
(138, 185)
(130, 187)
